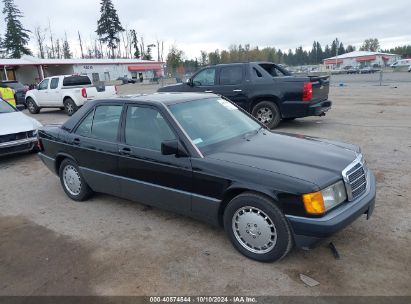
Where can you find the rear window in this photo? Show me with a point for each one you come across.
(76, 81)
(272, 69)
(13, 85)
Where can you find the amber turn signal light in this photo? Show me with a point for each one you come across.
(314, 203)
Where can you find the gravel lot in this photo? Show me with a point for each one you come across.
(51, 245)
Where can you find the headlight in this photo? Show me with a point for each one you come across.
(322, 201)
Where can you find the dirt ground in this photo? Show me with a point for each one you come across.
(50, 245)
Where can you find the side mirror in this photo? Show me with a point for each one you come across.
(172, 147)
(169, 147)
(189, 82)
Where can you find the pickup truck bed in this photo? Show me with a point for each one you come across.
(264, 89)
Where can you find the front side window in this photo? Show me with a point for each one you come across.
(44, 84)
(102, 123)
(231, 75)
(146, 128)
(212, 120)
(205, 77)
(54, 83)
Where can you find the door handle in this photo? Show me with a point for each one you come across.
(125, 151)
(76, 141)
(237, 90)
(208, 91)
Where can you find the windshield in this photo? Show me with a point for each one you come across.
(212, 120)
(5, 107)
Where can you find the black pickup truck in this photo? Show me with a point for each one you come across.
(263, 89)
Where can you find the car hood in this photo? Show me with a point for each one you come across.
(315, 160)
(17, 122)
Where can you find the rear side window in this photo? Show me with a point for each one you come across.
(84, 129)
(54, 83)
(76, 81)
(231, 75)
(102, 123)
(272, 70)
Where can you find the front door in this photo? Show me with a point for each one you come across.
(42, 93)
(231, 84)
(204, 81)
(148, 176)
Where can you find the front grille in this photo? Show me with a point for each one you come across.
(356, 181)
(15, 136)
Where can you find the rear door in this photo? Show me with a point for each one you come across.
(148, 176)
(95, 147)
(231, 84)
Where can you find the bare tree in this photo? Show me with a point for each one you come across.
(58, 49)
(40, 37)
(53, 55)
(142, 47)
(81, 45)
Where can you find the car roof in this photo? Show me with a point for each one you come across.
(155, 98)
(166, 98)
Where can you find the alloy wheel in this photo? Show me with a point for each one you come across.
(254, 230)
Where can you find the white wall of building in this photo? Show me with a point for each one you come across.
(109, 72)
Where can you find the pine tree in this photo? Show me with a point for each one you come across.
(16, 38)
(66, 49)
(108, 26)
(134, 41)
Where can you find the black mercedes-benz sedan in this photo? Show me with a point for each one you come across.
(202, 156)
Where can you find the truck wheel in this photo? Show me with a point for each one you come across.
(73, 182)
(267, 113)
(70, 106)
(32, 106)
(257, 228)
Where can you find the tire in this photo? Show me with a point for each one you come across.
(70, 106)
(32, 106)
(257, 228)
(73, 182)
(267, 113)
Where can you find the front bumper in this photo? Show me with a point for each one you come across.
(298, 109)
(17, 146)
(308, 231)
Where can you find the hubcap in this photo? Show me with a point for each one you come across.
(254, 230)
(72, 180)
(265, 115)
(69, 108)
(31, 106)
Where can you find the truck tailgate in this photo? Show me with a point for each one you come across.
(321, 87)
(100, 93)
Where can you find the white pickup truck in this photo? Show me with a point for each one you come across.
(67, 92)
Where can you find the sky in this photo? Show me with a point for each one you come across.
(216, 24)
